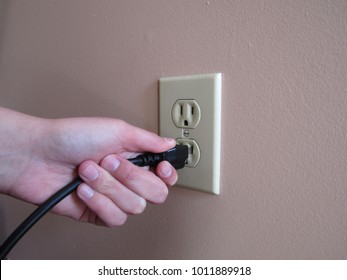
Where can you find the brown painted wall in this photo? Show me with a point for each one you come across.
(284, 119)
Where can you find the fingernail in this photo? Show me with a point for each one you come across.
(170, 140)
(90, 172)
(86, 192)
(166, 170)
(111, 163)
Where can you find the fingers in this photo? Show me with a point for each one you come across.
(117, 188)
(140, 140)
(107, 197)
(167, 173)
(106, 210)
(141, 181)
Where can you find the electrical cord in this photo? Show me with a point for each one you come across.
(177, 156)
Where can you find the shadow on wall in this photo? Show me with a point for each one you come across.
(2, 223)
(4, 4)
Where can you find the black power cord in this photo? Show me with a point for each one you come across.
(177, 156)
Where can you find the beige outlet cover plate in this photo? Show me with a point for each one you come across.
(206, 90)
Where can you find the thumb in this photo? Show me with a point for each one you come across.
(139, 140)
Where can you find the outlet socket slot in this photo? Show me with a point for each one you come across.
(186, 113)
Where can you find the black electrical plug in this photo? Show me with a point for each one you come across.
(177, 156)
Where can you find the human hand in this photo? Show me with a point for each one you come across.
(40, 156)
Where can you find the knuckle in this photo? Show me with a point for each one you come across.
(130, 174)
(119, 123)
(105, 187)
(122, 127)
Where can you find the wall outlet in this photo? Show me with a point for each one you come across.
(190, 112)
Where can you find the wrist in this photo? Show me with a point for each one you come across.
(19, 134)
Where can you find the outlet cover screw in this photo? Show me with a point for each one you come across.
(186, 133)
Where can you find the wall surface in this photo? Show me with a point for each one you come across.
(284, 119)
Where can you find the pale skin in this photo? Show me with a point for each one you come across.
(39, 156)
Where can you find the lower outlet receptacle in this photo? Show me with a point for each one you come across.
(193, 150)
